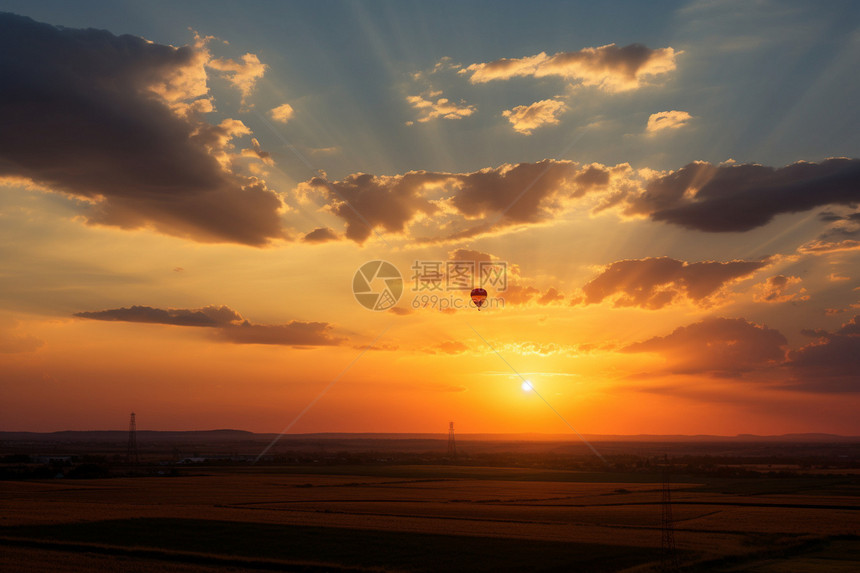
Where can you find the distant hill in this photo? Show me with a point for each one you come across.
(229, 435)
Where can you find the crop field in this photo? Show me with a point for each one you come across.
(420, 518)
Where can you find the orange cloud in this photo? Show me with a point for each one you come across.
(775, 289)
(653, 283)
(525, 119)
(452, 347)
(242, 75)
(609, 67)
(822, 247)
(667, 120)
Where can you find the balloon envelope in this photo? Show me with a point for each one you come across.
(479, 295)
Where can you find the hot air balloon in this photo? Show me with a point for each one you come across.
(479, 295)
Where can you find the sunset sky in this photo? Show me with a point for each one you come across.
(188, 189)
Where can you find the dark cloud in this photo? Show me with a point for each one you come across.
(320, 235)
(503, 196)
(731, 197)
(207, 316)
(367, 202)
(717, 346)
(226, 324)
(653, 283)
(114, 120)
(831, 363)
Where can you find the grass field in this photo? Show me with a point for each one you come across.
(422, 518)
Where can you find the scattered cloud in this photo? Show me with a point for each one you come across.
(776, 289)
(841, 236)
(534, 348)
(723, 347)
(822, 247)
(257, 152)
(525, 119)
(609, 67)
(283, 113)
(508, 195)
(430, 106)
(226, 324)
(452, 347)
(700, 196)
(653, 283)
(241, 75)
(667, 120)
(126, 133)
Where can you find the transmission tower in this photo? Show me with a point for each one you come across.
(452, 449)
(668, 554)
(132, 454)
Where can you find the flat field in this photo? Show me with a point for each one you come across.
(423, 518)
